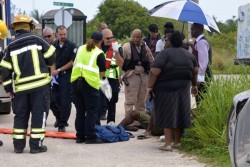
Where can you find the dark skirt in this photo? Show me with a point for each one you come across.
(173, 109)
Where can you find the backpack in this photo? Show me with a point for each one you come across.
(111, 134)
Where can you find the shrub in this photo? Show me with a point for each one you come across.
(208, 133)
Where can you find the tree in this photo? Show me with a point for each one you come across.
(36, 15)
(229, 26)
(123, 16)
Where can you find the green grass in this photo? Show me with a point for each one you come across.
(207, 136)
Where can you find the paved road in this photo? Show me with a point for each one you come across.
(66, 153)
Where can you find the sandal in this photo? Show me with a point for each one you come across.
(131, 135)
(141, 137)
(166, 148)
(176, 146)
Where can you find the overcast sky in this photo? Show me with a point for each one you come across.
(221, 9)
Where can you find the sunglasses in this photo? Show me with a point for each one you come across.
(109, 38)
(48, 36)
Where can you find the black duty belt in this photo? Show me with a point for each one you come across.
(113, 66)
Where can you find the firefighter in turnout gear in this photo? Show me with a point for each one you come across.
(3, 34)
(26, 79)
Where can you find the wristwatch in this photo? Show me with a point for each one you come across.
(58, 69)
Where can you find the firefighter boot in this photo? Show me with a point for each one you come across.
(38, 150)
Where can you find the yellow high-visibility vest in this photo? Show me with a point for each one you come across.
(85, 65)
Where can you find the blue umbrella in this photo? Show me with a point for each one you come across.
(185, 10)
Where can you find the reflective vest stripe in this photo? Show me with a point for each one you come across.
(6, 64)
(15, 136)
(37, 130)
(113, 62)
(7, 82)
(93, 58)
(25, 49)
(50, 51)
(110, 73)
(89, 68)
(30, 78)
(36, 62)
(37, 136)
(32, 85)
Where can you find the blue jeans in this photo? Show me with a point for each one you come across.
(149, 105)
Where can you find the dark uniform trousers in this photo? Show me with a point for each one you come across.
(62, 98)
(36, 103)
(202, 87)
(86, 100)
(105, 104)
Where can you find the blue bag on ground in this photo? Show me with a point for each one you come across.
(111, 134)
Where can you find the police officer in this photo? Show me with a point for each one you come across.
(26, 79)
(3, 35)
(113, 59)
(89, 66)
(137, 60)
(65, 55)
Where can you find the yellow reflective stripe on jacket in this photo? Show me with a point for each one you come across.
(30, 78)
(7, 82)
(32, 85)
(6, 64)
(16, 66)
(37, 136)
(50, 51)
(37, 130)
(25, 49)
(15, 130)
(87, 67)
(15, 136)
(36, 62)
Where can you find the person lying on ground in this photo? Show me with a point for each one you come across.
(145, 120)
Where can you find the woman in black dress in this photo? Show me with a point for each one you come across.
(173, 72)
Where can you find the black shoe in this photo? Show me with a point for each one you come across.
(18, 151)
(1, 143)
(38, 150)
(131, 128)
(80, 140)
(94, 141)
(61, 129)
(56, 124)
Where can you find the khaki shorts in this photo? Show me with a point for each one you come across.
(144, 120)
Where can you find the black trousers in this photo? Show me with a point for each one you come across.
(86, 100)
(61, 99)
(202, 87)
(36, 103)
(109, 105)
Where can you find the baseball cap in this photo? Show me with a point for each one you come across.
(96, 36)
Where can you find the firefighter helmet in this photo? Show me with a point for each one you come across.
(3, 30)
(22, 19)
